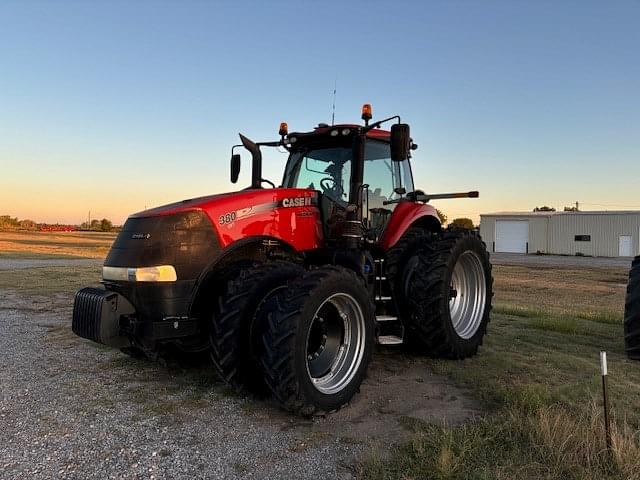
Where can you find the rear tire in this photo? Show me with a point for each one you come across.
(319, 341)
(447, 288)
(237, 320)
(398, 260)
(632, 313)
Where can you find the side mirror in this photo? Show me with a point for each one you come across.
(400, 142)
(235, 167)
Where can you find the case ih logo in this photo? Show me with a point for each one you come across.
(141, 236)
(298, 202)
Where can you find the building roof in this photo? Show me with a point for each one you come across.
(549, 214)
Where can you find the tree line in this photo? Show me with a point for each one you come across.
(7, 222)
(461, 222)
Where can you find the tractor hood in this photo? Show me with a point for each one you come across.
(282, 213)
(183, 205)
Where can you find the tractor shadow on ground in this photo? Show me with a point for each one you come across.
(400, 388)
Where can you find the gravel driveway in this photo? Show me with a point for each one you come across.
(73, 409)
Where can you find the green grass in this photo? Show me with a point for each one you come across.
(538, 377)
(546, 445)
(613, 318)
(598, 316)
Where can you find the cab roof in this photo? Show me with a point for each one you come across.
(323, 131)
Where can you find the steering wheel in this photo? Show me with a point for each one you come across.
(324, 184)
(264, 180)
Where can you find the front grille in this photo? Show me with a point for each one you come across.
(186, 240)
(87, 312)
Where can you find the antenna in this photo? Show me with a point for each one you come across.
(333, 112)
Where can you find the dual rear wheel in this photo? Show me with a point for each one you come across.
(443, 287)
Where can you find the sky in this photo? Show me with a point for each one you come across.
(111, 107)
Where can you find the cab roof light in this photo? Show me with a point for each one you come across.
(367, 113)
(284, 129)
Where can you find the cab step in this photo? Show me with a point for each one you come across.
(389, 340)
(386, 318)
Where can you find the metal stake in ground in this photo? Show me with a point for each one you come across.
(603, 370)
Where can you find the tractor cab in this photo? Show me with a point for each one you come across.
(322, 160)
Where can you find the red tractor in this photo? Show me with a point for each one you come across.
(290, 287)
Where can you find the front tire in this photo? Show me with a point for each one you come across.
(237, 320)
(319, 341)
(632, 313)
(448, 288)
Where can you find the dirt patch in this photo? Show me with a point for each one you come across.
(400, 387)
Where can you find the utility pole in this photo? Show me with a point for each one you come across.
(89, 221)
(577, 205)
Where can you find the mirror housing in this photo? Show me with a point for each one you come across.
(400, 142)
(256, 161)
(235, 167)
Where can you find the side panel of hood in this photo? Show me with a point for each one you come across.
(289, 214)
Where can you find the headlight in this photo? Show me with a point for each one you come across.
(161, 273)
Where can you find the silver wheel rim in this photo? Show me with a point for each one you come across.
(468, 294)
(335, 343)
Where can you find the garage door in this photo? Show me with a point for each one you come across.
(512, 236)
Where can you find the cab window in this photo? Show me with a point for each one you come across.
(383, 175)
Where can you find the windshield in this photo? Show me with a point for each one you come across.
(329, 170)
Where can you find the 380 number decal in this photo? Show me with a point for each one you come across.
(227, 218)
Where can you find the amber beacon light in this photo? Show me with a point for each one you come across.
(284, 129)
(366, 112)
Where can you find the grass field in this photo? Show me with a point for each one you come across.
(47, 245)
(538, 377)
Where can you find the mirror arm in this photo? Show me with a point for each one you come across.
(433, 196)
(380, 122)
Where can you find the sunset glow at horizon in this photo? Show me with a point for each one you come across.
(111, 108)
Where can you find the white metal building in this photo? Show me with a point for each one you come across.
(598, 234)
